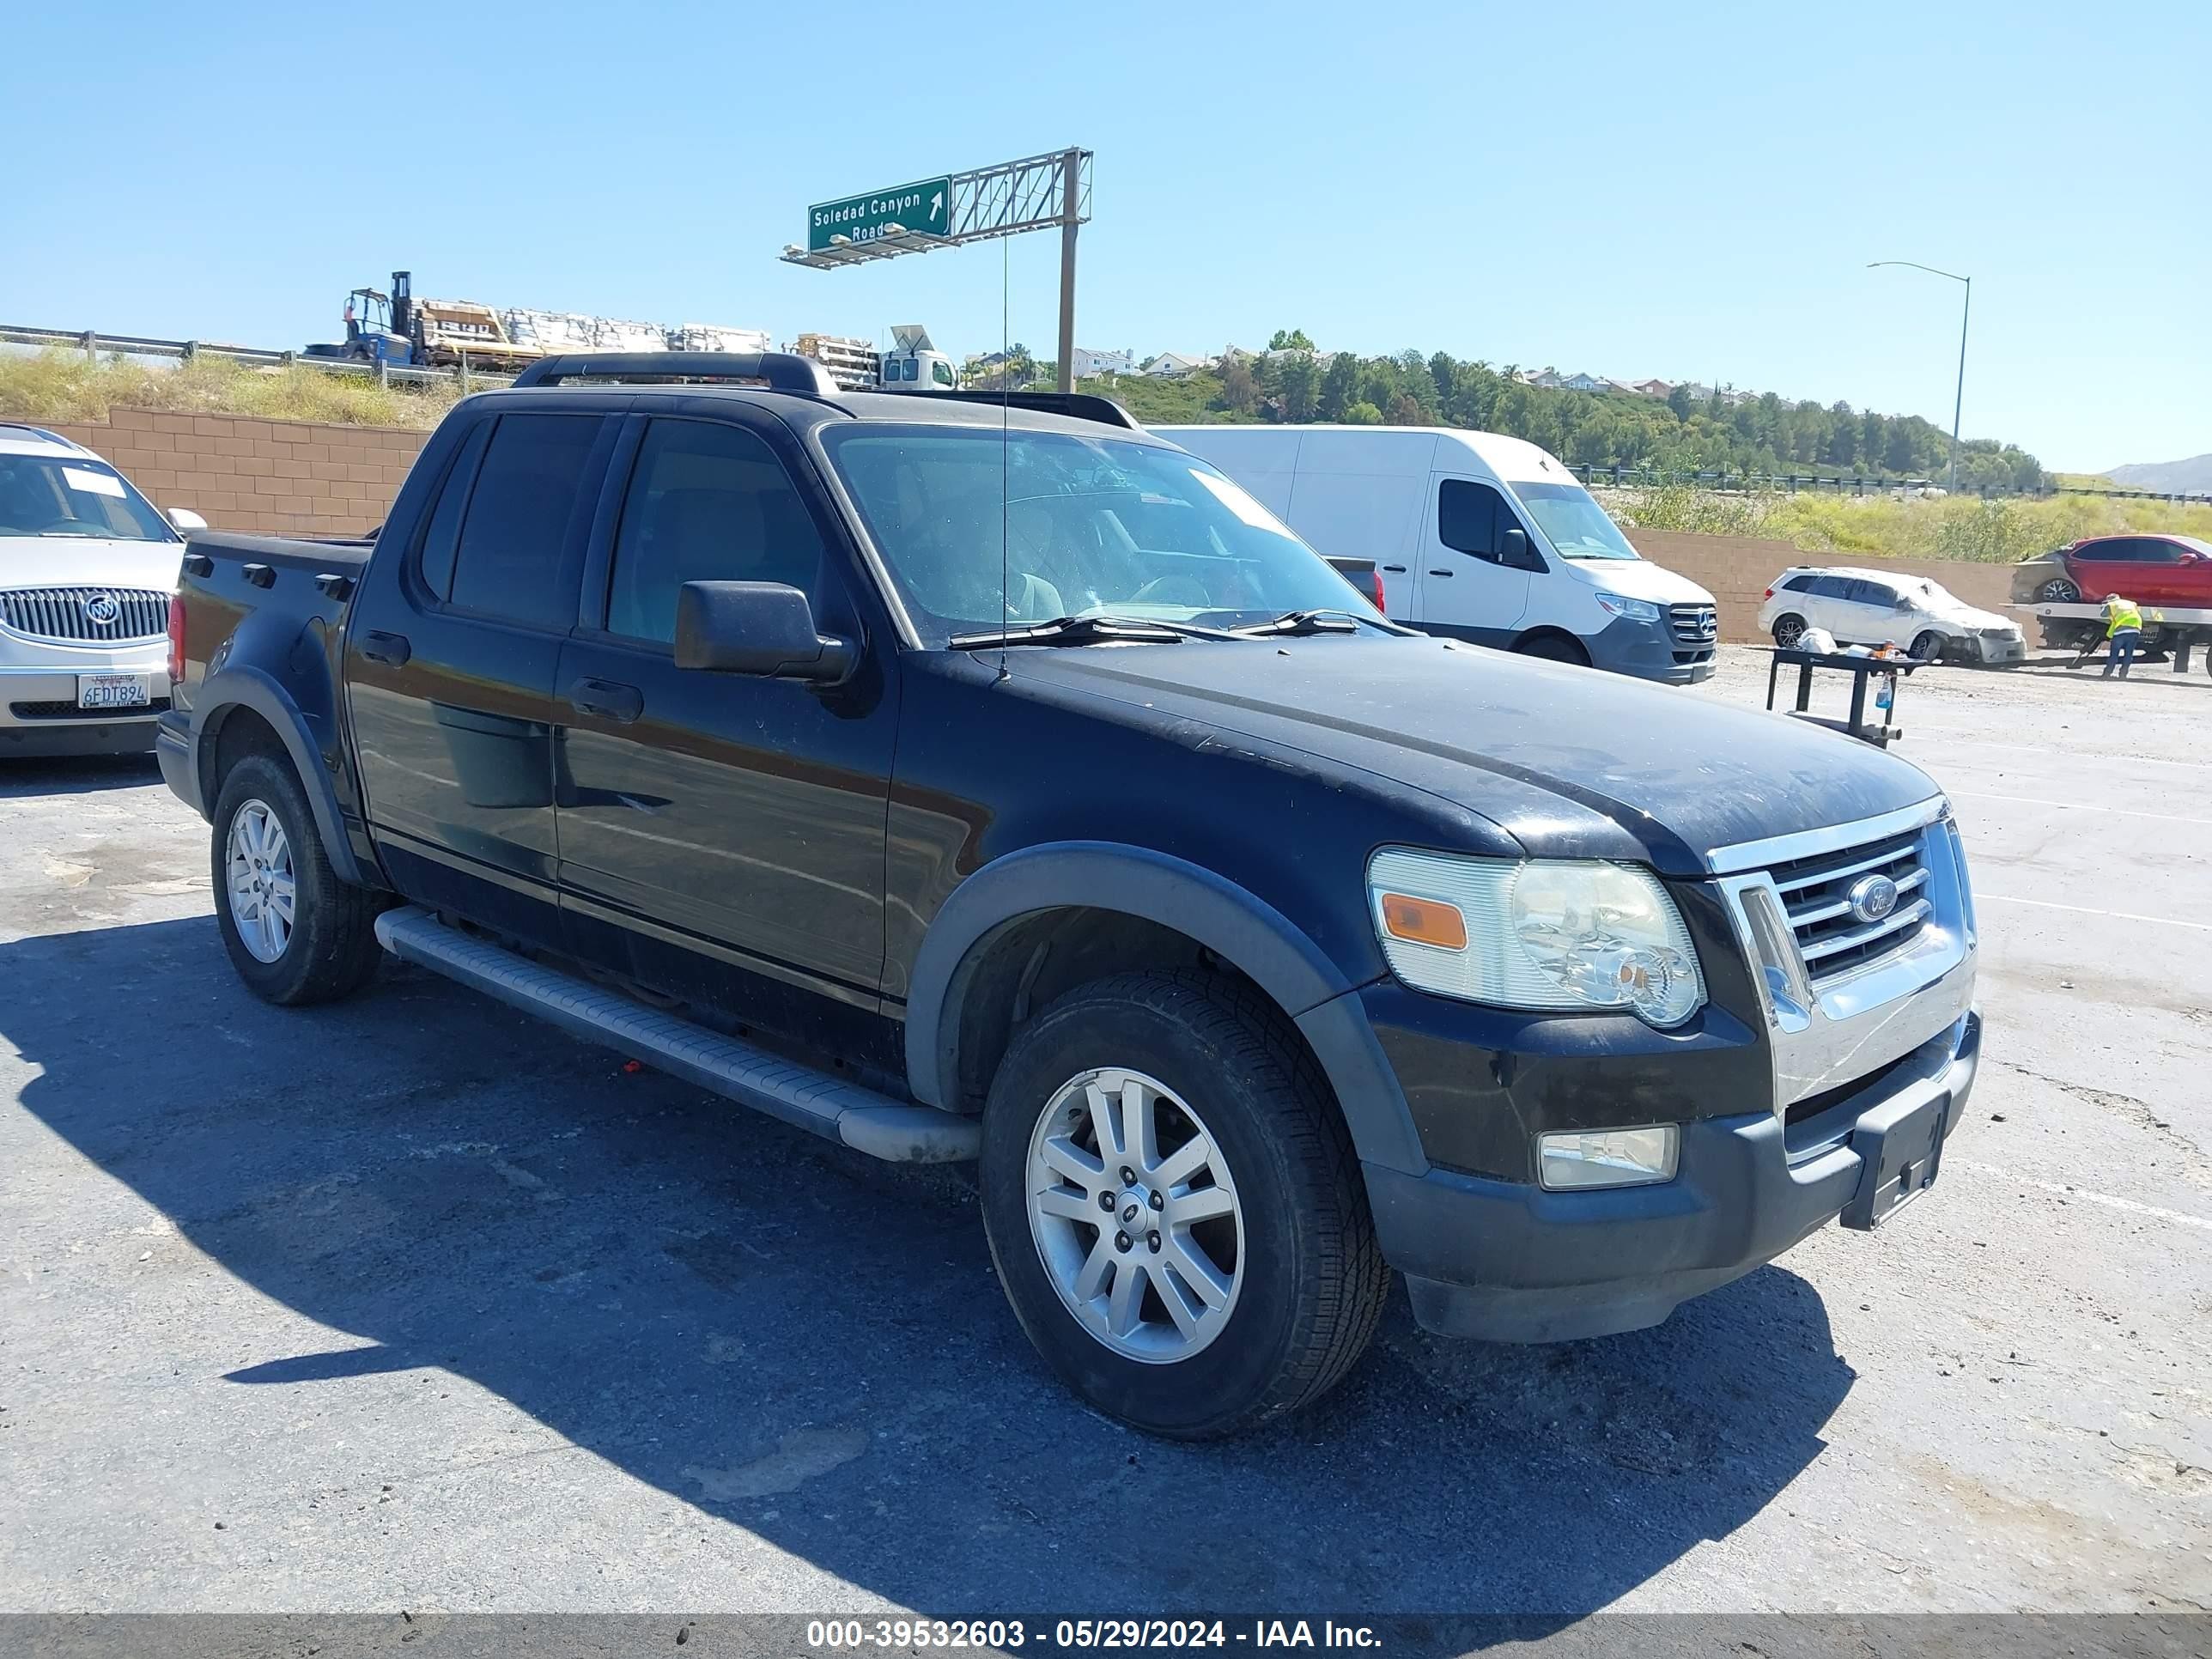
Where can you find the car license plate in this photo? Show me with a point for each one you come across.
(1899, 1149)
(112, 691)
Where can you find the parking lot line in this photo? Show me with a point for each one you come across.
(2086, 1196)
(2076, 806)
(2091, 911)
(1957, 735)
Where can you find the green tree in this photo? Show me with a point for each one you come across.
(1679, 400)
(1339, 385)
(1240, 392)
(1362, 413)
(1301, 384)
(1290, 340)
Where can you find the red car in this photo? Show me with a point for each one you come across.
(2167, 570)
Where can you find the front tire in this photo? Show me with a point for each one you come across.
(1174, 1207)
(2059, 590)
(1927, 645)
(295, 934)
(1554, 648)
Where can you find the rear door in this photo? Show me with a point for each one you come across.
(450, 658)
(722, 836)
(1466, 591)
(1862, 610)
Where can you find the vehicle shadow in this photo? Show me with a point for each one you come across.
(809, 1345)
(77, 774)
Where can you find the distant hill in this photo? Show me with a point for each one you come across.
(2191, 477)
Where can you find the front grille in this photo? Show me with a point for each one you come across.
(1693, 625)
(1815, 892)
(69, 615)
(69, 711)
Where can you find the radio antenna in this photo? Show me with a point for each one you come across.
(1006, 437)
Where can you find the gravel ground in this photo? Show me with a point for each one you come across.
(410, 1302)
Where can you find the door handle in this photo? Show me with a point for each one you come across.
(1433, 571)
(609, 699)
(1396, 569)
(389, 648)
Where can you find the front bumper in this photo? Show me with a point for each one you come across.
(1994, 653)
(1650, 651)
(38, 715)
(1507, 1261)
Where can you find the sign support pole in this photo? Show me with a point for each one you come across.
(1071, 165)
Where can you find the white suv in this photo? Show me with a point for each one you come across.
(86, 567)
(1877, 607)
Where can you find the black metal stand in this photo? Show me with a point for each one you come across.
(1861, 669)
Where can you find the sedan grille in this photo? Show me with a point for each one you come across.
(1817, 892)
(85, 616)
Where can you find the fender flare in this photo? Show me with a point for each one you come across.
(248, 687)
(1241, 928)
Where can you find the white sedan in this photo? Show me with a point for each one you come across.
(86, 567)
(1879, 607)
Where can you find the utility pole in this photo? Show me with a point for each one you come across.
(1965, 311)
(1070, 201)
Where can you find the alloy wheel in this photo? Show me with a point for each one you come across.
(1135, 1215)
(264, 890)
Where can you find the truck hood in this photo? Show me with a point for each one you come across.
(1637, 579)
(89, 561)
(1568, 761)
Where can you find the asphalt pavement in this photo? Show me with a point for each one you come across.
(410, 1302)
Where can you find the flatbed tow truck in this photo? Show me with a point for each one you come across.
(2169, 631)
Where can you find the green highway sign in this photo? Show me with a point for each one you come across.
(926, 208)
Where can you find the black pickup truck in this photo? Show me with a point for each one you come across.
(995, 781)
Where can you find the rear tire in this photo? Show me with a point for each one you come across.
(295, 934)
(1554, 648)
(1256, 1185)
(1789, 628)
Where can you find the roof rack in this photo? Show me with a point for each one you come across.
(780, 370)
(1077, 406)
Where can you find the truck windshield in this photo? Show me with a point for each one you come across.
(74, 496)
(1087, 525)
(1572, 522)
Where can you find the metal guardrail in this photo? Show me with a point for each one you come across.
(91, 342)
(1640, 477)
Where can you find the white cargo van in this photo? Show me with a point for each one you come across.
(1479, 537)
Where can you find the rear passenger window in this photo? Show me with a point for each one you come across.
(707, 503)
(1468, 518)
(444, 534)
(508, 563)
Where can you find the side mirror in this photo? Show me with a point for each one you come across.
(185, 518)
(1514, 552)
(763, 629)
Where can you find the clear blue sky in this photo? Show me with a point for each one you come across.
(1684, 192)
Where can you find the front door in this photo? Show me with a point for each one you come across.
(1467, 591)
(722, 836)
(450, 657)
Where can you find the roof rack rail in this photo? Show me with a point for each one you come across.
(782, 371)
(1077, 406)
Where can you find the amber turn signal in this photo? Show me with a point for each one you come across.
(1425, 921)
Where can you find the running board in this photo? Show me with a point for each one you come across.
(802, 1097)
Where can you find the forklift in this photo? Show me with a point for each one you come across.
(379, 328)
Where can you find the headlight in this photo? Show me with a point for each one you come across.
(1544, 935)
(1620, 605)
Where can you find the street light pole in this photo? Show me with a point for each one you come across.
(1965, 311)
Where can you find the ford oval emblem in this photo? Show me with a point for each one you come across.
(104, 610)
(1872, 897)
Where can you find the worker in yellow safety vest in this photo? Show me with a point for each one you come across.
(2123, 629)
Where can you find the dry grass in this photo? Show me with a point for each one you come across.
(63, 385)
(1958, 527)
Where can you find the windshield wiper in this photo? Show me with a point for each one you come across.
(1089, 630)
(1300, 623)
